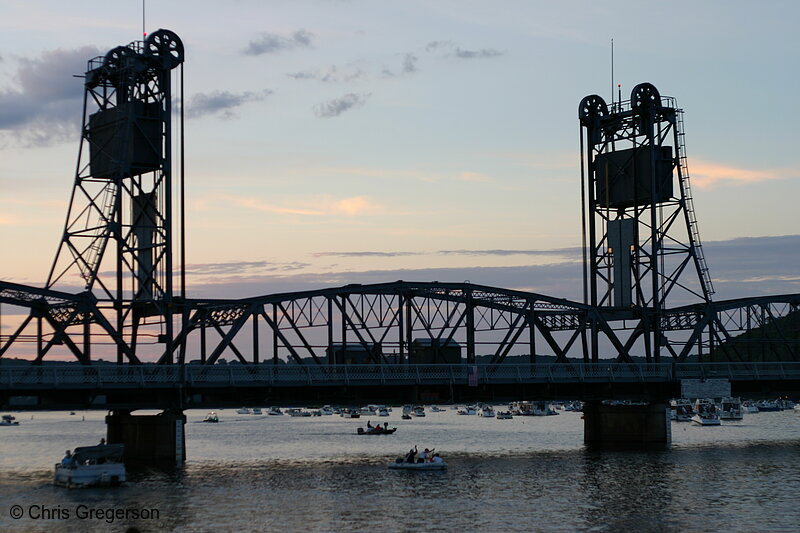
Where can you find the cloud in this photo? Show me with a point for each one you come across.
(332, 75)
(365, 254)
(270, 43)
(438, 45)
(472, 54)
(315, 207)
(706, 175)
(409, 66)
(222, 102)
(337, 106)
(241, 267)
(571, 254)
(44, 105)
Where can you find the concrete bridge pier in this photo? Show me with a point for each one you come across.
(150, 440)
(612, 425)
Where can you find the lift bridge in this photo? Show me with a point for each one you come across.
(646, 322)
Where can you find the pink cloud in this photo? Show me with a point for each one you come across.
(706, 174)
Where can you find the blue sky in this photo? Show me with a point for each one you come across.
(338, 141)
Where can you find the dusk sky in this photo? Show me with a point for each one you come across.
(332, 142)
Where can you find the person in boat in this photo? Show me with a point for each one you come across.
(102, 442)
(385, 426)
(425, 455)
(369, 426)
(68, 459)
(436, 459)
(410, 456)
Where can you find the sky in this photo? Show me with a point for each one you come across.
(333, 141)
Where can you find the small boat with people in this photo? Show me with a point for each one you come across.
(418, 411)
(211, 417)
(296, 411)
(350, 413)
(706, 413)
(504, 415)
(376, 430)
(92, 466)
(425, 460)
(486, 411)
(9, 420)
(256, 411)
(468, 410)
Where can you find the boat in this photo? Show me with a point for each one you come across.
(326, 410)
(706, 413)
(767, 406)
(399, 464)
(468, 410)
(749, 407)
(731, 409)
(211, 417)
(296, 411)
(350, 413)
(418, 410)
(274, 411)
(9, 420)
(436, 409)
(504, 415)
(406, 416)
(92, 466)
(383, 411)
(486, 411)
(256, 410)
(376, 430)
(316, 412)
(243, 411)
(682, 410)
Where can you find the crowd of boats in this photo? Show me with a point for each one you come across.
(712, 411)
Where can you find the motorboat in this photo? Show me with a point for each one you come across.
(274, 411)
(9, 420)
(749, 407)
(211, 418)
(538, 408)
(243, 411)
(731, 409)
(504, 415)
(256, 410)
(376, 430)
(383, 411)
(327, 410)
(350, 413)
(418, 410)
(768, 405)
(406, 416)
(92, 466)
(296, 411)
(316, 412)
(486, 411)
(682, 410)
(399, 464)
(706, 413)
(368, 410)
(436, 409)
(468, 410)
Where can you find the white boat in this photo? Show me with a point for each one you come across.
(327, 410)
(383, 411)
(486, 411)
(399, 464)
(92, 466)
(731, 409)
(538, 408)
(504, 415)
(243, 411)
(468, 410)
(706, 413)
(8, 420)
(274, 411)
(349, 413)
(749, 407)
(682, 410)
(436, 409)
(296, 411)
(256, 410)
(211, 417)
(418, 410)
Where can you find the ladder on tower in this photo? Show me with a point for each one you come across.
(694, 232)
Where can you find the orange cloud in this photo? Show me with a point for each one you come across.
(706, 174)
(316, 207)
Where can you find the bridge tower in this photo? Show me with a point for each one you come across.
(642, 250)
(119, 233)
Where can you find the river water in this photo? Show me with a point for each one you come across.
(281, 473)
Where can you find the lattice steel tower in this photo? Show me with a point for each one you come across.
(123, 192)
(641, 241)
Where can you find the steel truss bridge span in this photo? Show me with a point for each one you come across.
(412, 323)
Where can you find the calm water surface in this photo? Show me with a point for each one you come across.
(268, 473)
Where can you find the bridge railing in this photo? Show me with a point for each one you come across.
(100, 377)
